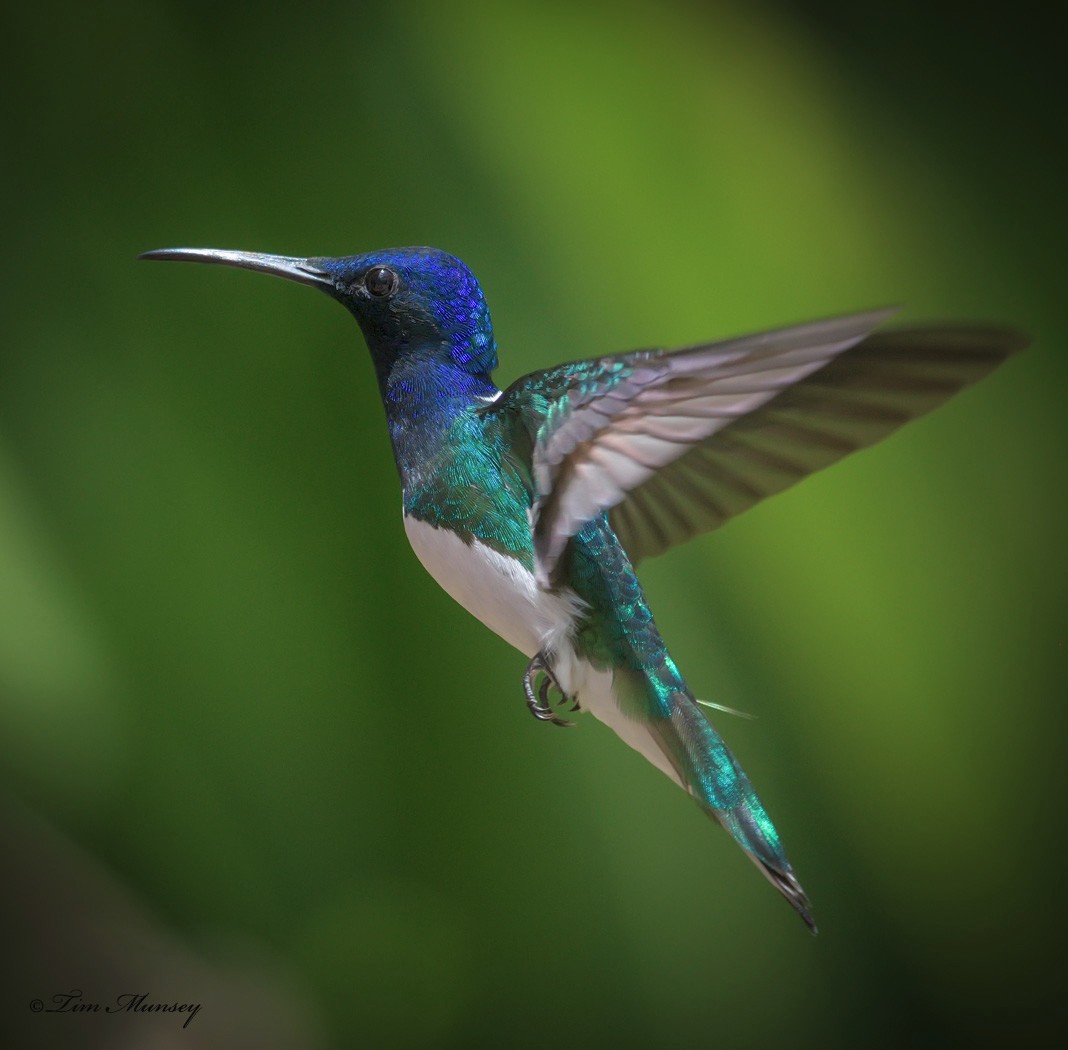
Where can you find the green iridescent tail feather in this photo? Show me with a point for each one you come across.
(659, 715)
(719, 784)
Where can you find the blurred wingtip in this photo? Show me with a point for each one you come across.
(981, 339)
(1015, 340)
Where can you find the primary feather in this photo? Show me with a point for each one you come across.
(675, 443)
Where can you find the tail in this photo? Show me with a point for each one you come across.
(622, 673)
(713, 776)
(674, 734)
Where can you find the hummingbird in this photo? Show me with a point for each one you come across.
(531, 506)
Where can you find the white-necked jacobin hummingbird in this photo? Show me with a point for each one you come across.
(531, 506)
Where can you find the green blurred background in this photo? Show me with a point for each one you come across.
(251, 754)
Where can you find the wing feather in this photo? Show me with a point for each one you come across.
(625, 418)
(851, 403)
(675, 444)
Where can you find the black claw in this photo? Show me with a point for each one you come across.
(539, 702)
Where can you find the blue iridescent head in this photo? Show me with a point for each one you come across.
(415, 298)
(405, 299)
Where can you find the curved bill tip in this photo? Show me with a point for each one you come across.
(293, 269)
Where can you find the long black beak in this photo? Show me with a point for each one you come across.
(304, 271)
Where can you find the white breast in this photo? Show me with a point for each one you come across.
(495, 588)
(504, 595)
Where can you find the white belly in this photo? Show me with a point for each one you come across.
(495, 589)
(503, 595)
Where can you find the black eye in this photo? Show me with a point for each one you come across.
(380, 281)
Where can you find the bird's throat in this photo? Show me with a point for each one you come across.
(430, 411)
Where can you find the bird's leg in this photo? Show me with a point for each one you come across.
(539, 703)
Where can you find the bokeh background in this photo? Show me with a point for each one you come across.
(252, 757)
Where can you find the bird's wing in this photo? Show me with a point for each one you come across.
(675, 443)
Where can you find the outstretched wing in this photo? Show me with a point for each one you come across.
(674, 444)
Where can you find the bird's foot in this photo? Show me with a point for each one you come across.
(538, 701)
